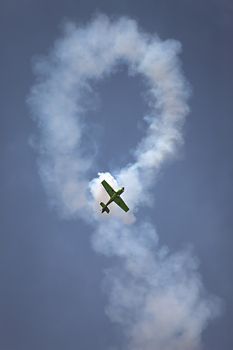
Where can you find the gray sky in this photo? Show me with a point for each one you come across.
(51, 280)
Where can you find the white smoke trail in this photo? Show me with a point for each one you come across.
(158, 297)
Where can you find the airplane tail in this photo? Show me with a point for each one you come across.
(105, 208)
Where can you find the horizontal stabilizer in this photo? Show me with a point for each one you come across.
(105, 208)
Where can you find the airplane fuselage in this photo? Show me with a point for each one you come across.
(116, 194)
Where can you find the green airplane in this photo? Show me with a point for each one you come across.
(114, 197)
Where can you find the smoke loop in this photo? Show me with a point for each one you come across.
(157, 296)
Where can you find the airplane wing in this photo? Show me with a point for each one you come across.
(119, 201)
(108, 188)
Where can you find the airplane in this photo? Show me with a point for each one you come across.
(114, 197)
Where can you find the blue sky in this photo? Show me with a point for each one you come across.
(53, 290)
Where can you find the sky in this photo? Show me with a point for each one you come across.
(70, 278)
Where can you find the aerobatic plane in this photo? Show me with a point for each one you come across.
(114, 197)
